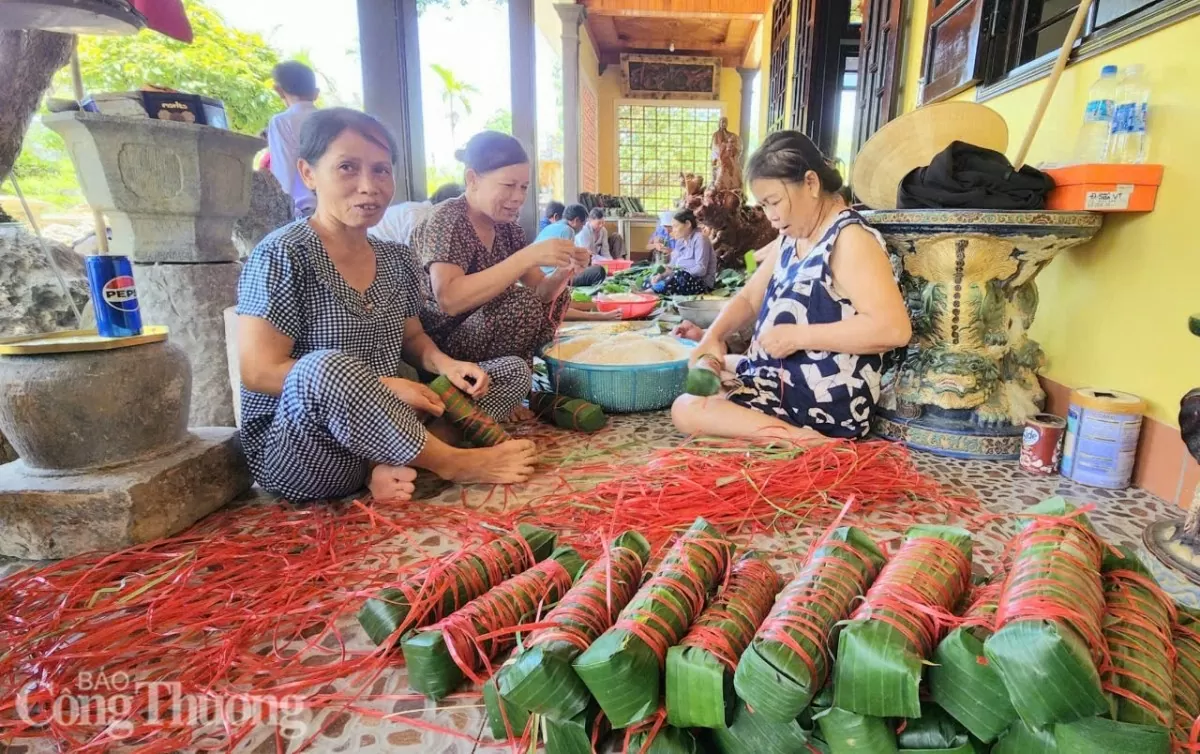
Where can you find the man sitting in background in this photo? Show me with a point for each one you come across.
(554, 213)
(594, 237)
(400, 220)
(296, 84)
(572, 220)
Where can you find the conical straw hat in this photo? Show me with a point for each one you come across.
(912, 140)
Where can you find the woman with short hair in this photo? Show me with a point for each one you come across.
(692, 268)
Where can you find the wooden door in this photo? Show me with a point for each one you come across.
(879, 67)
(781, 41)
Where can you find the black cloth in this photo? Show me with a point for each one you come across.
(964, 176)
(588, 276)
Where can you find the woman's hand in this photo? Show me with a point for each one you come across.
(582, 257)
(708, 347)
(553, 252)
(781, 341)
(417, 396)
(467, 377)
(688, 331)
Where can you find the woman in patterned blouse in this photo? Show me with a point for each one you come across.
(327, 317)
(827, 306)
(488, 297)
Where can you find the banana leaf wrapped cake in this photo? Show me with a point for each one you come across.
(788, 661)
(883, 651)
(1049, 639)
(441, 656)
(623, 668)
(437, 591)
(700, 668)
(960, 679)
(540, 679)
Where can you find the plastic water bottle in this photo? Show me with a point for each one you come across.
(1092, 143)
(1128, 140)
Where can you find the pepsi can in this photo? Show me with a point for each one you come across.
(114, 296)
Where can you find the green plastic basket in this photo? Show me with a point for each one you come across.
(620, 388)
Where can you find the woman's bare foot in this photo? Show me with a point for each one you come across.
(507, 463)
(392, 482)
(520, 415)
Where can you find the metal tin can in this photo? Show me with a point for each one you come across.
(1041, 444)
(1103, 427)
(114, 296)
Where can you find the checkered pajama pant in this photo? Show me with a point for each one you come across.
(335, 419)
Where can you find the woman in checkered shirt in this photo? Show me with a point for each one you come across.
(328, 316)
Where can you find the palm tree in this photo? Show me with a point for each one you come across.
(456, 94)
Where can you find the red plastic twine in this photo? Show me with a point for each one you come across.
(1134, 627)
(459, 578)
(814, 601)
(1049, 581)
(982, 610)
(727, 626)
(594, 602)
(475, 634)
(1187, 689)
(678, 574)
(916, 590)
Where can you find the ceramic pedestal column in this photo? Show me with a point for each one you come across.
(172, 192)
(969, 380)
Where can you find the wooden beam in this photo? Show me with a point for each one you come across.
(748, 9)
(752, 58)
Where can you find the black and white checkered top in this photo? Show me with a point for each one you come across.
(290, 282)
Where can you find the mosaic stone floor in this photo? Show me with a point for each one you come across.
(1002, 487)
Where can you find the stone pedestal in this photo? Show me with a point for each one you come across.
(107, 460)
(172, 193)
(969, 380)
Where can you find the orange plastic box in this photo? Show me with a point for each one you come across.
(1105, 188)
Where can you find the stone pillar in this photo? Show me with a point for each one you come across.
(749, 76)
(572, 16)
(172, 193)
(521, 56)
(391, 65)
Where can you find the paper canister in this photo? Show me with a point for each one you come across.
(1103, 427)
(1041, 444)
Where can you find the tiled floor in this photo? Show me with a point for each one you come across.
(1003, 487)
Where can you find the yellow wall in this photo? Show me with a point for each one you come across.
(1113, 312)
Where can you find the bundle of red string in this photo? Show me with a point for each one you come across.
(1186, 731)
(1137, 629)
(1055, 576)
(806, 610)
(981, 612)
(917, 589)
(726, 627)
(592, 605)
(482, 629)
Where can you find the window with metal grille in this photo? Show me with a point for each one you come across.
(655, 143)
(781, 40)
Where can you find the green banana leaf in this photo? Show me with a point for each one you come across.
(961, 680)
(1099, 735)
(458, 583)
(667, 740)
(540, 678)
(432, 669)
(1046, 665)
(750, 733)
(846, 732)
(622, 671)
(878, 669)
(1021, 739)
(934, 730)
(1138, 618)
(575, 735)
(1186, 636)
(503, 716)
(700, 668)
(775, 681)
